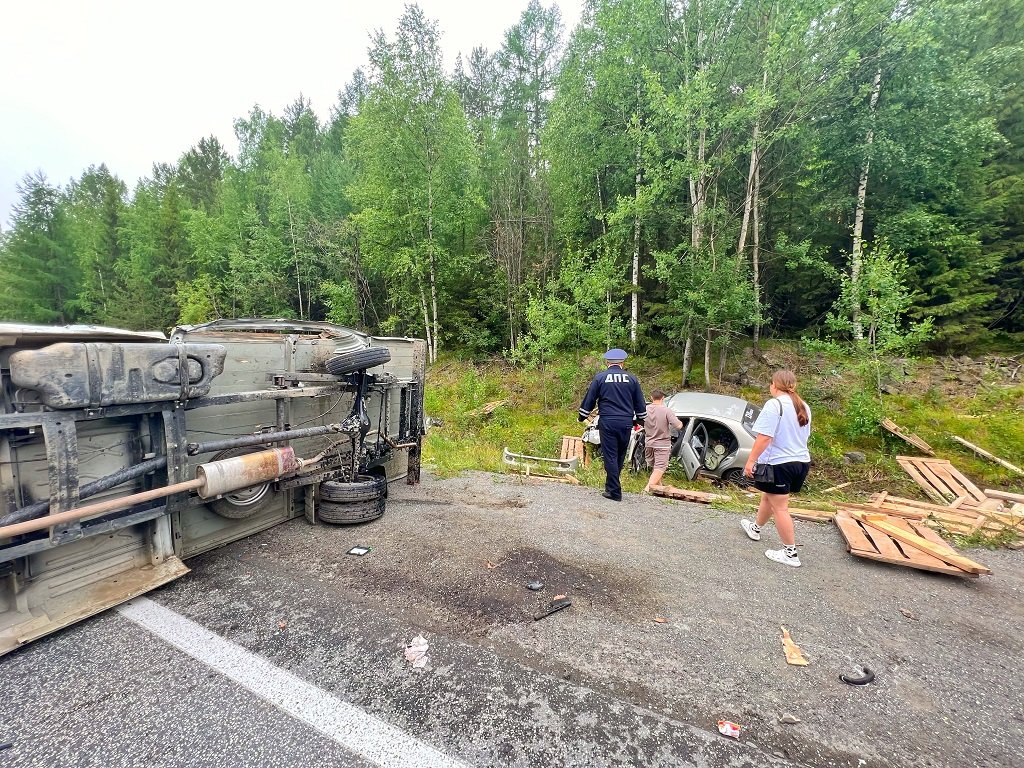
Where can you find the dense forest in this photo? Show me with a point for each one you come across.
(681, 174)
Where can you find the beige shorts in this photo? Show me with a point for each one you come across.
(657, 457)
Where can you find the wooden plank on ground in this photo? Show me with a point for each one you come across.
(887, 508)
(912, 538)
(488, 408)
(860, 545)
(908, 437)
(811, 515)
(956, 481)
(671, 492)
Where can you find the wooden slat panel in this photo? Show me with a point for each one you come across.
(859, 545)
(911, 469)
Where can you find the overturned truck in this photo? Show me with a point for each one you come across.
(122, 453)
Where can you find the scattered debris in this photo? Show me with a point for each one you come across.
(835, 488)
(908, 437)
(491, 566)
(812, 515)
(487, 408)
(535, 586)
(671, 492)
(6, 745)
(416, 652)
(358, 551)
(794, 655)
(789, 719)
(282, 624)
(866, 677)
(991, 457)
(872, 536)
(940, 480)
(553, 607)
(909, 614)
(660, 620)
(727, 728)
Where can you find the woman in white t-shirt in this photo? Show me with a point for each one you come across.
(783, 429)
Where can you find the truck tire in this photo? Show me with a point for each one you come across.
(358, 360)
(365, 488)
(350, 513)
(247, 502)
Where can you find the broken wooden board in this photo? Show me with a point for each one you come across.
(959, 518)
(912, 538)
(940, 480)
(574, 448)
(889, 508)
(811, 515)
(867, 542)
(990, 456)
(794, 655)
(488, 408)
(908, 437)
(671, 492)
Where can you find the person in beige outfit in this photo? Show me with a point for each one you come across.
(658, 437)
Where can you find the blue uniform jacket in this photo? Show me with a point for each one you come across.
(618, 396)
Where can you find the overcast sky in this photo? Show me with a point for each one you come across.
(130, 82)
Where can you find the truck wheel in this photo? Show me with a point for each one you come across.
(247, 502)
(358, 360)
(365, 488)
(350, 513)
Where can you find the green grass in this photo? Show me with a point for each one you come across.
(543, 401)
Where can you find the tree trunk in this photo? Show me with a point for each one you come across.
(707, 358)
(723, 352)
(295, 253)
(433, 269)
(687, 358)
(634, 311)
(755, 255)
(426, 323)
(856, 257)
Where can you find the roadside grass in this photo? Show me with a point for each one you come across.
(929, 402)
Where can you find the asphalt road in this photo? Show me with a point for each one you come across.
(282, 650)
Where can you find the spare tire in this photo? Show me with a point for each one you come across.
(358, 360)
(365, 488)
(350, 513)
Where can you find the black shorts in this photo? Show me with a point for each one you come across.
(789, 478)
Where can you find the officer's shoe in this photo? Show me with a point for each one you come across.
(610, 497)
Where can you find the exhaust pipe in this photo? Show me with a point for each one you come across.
(215, 478)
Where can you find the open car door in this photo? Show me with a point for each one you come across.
(688, 458)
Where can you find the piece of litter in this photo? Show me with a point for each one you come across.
(794, 655)
(553, 607)
(789, 719)
(908, 614)
(282, 624)
(867, 677)
(558, 597)
(727, 728)
(535, 586)
(416, 652)
(490, 565)
(358, 551)
(660, 620)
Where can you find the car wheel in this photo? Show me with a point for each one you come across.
(246, 502)
(358, 360)
(736, 477)
(365, 488)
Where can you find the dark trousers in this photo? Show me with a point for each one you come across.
(614, 440)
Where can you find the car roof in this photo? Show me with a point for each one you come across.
(707, 404)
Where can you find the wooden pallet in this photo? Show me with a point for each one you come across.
(962, 519)
(942, 482)
(864, 541)
(574, 447)
(908, 437)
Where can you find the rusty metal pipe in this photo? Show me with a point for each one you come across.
(120, 477)
(214, 478)
(266, 437)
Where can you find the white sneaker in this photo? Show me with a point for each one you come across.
(748, 526)
(780, 556)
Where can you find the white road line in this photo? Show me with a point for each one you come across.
(357, 731)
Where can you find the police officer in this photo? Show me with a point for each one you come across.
(620, 403)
